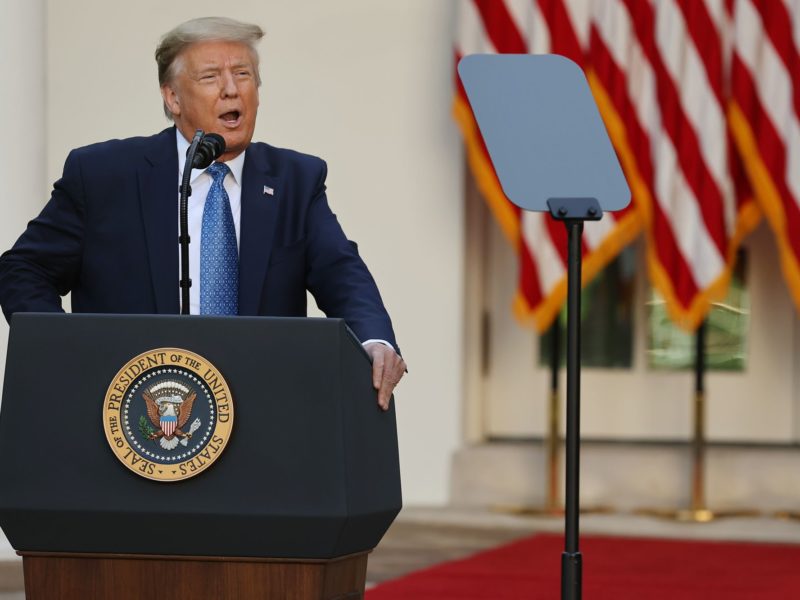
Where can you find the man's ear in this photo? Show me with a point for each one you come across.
(171, 99)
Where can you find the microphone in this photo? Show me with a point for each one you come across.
(203, 150)
(210, 148)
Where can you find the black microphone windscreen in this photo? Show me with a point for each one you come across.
(210, 148)
(218, 143)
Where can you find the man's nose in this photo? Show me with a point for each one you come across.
(228, 85)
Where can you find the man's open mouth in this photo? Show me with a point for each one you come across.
(231, 118)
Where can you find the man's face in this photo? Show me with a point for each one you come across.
(215, 89)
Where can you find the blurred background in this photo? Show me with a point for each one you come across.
(701, 100)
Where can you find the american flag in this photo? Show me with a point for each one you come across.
(764, 110)
(688, 90)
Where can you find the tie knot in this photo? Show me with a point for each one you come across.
(218, 171)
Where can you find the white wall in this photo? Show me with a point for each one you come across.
(22, 97)
(366, 85)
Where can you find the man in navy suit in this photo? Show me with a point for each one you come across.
(109, 232)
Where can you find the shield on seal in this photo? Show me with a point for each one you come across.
(168, 424)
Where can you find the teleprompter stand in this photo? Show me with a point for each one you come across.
(552, 154)
(573, 212)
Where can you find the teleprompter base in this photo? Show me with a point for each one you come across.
(69, 576)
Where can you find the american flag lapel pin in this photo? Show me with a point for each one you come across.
(268, 191)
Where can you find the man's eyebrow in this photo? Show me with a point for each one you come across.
(210, 68)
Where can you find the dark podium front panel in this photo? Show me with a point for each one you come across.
(311, 469)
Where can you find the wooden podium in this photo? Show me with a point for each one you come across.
(85, 576)
(306, 486)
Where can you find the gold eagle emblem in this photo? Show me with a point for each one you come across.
(169, 406)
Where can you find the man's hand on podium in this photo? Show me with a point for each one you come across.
(388, 367)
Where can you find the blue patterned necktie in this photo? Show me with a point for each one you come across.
(219, 255)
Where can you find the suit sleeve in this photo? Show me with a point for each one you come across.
(44, 263)
(337, 276)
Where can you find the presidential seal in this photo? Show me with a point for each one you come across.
(168, 414)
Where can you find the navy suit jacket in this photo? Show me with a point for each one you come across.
(109, 235)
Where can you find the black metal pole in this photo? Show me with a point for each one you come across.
(573, 212)
(571, 567)
(700, 358)
(699, 436)
(183, 238)
(553, 446)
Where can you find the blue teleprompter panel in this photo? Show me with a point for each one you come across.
(543, 130)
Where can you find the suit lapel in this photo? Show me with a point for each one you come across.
(257, 229)
(158, 189)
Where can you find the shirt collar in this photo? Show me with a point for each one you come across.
(236, 165)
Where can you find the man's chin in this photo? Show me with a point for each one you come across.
(233, 148)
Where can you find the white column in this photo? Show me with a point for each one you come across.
(23, 185)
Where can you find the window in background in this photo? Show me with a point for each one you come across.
(606, 318)
(669, 347)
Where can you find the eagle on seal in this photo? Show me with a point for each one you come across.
(169, 416)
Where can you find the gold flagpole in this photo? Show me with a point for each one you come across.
(698, 511)
(553, 507)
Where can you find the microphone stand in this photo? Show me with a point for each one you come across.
(183, 238)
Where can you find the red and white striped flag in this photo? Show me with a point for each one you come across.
(661, 67)
(764, 113)
(657, 71)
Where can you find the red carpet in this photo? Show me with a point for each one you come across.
(613, 568)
